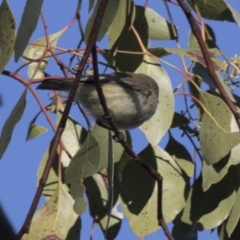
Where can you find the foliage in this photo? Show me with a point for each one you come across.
(88, 163)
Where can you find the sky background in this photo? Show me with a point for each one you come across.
(20, 162)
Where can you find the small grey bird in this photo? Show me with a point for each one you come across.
(133, 97)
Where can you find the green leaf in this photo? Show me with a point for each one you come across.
(158, 27)
(203, 74)
(73, 136)
(35, 131)
(235, 13)
(212, 9)
(181, 156)
(101, 136)
(219, 132)
(163, 117)
(209, 35)
(56, 218)
(216, 204)
(216, 172)
(98, 196)
(234, 215)
(140, 192)
(27, 26)
(34, 52)
(11, 122)
(85, 163)
(7, 33)
(130, 62)
(52, 180)
(91, 4)
(121, 23)
(109, 15)
(179, 120)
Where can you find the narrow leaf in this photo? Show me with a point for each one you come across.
(7, 33)
(11, 122)
(27, 26)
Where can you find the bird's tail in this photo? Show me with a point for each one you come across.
(60, 85)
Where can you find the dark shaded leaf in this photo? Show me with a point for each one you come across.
(179, 120)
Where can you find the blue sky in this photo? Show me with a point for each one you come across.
(20, 162)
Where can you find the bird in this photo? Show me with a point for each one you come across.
(132, 97)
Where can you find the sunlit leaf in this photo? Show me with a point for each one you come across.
(163, 117)
(35, 131)
(219, 131)
(73, 136)
(158, 27)
(56, 219)
(36, 52)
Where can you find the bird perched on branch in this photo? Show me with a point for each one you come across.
(133, 97)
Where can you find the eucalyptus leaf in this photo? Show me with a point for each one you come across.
(219, 132)
(215, 207)
(162, 118)
(7, 33)
(98, 196)
(181, 156)
(11, 122)
(27, 26)
(109, 15)
(158, 27)
(56, 217)
(35, 131)
(179, 120)
(140, 192)
(212, 9)
(121, 23)
(129, 61)
(37, 51)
